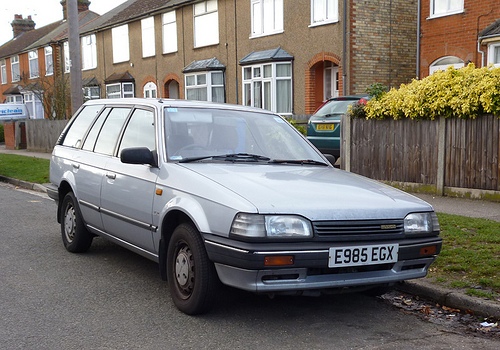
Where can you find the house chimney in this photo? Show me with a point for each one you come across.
(83, 5)
(21, 25)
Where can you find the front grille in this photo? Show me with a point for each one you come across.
(359, 230)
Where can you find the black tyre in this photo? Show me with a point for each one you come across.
(191, 275)
(75, 236)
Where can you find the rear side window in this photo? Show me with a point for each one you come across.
(108, 136)
(94, 132)
(79, 126)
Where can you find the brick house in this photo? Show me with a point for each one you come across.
(455, 33)
(31, 63)
(282, 55)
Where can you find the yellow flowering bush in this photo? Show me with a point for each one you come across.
(461, 93)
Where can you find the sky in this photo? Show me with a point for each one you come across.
(43, 12)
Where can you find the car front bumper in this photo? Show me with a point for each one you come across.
(242, 265)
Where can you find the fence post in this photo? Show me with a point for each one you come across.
(441, 156)
(345, 146)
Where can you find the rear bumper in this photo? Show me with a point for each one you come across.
(243, 267)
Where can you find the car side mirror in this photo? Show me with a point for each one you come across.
(138, 155)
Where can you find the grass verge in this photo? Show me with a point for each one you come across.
(470, 258)
(24, 168)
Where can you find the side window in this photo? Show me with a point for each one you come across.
(79, 126)
(94, 132)
(140, 131)
(110, 131)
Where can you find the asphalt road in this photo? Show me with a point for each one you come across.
(110, 298)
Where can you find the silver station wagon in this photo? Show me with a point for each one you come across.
(218, 192)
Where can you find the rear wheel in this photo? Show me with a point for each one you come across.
(75, 236)
(191, 275)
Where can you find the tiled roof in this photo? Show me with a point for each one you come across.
(22, 41)
(277, 54)
(492, 30)
(131, 10)
(119, 77)
(203, 65)
(60, 33)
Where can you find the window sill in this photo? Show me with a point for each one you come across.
(446, 14)
(319, 24)
(255, 36)
(206, 45)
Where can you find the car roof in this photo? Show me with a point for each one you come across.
(164, 102)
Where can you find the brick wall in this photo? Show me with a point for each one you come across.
(456, 35)
(383, 37)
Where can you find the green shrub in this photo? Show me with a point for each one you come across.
(461, 93)
(2, 136)
(301, 128)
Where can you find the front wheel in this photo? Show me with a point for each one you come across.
(75, 236)
(191, 275)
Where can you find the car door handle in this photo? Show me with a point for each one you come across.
(75, 165)
(111, 176)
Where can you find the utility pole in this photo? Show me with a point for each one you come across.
(74, 55)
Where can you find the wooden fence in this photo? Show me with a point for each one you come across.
(42, 134)
(457, 155)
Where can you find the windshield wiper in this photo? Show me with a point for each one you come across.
(242, 157)
(232, 157)
(298, 161)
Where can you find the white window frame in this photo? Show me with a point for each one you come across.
(169, 32)
(126, 90)
(121, 46)
(206, 23)
(452, 7)
(266, 17)
(89, 52)
(14, 68)
(91, 92)
(49, 60)
(330, 80)
(148, 37)
(67, 58)
(150, 90)
(435, 66)
(15, 99)
(33, 64)
(324, 12)
(264, 80)
(491, 54)
(3, 71)
(193, 82)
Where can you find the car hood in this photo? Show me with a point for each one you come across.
(317, 193)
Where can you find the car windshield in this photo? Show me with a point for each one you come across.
(207, 134)
(334, 107)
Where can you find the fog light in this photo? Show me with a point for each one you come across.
(430, 250)
(282, 260)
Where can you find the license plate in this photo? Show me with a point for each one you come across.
(325, 126)
(363, 255)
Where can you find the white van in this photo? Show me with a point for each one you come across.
(11, 111)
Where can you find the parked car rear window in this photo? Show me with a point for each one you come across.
(79, 126)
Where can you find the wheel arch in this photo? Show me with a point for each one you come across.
(170, 221)
(63, 189)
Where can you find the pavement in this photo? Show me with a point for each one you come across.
(420, 287)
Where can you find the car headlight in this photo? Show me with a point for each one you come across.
(271, 226)
(421, 223)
